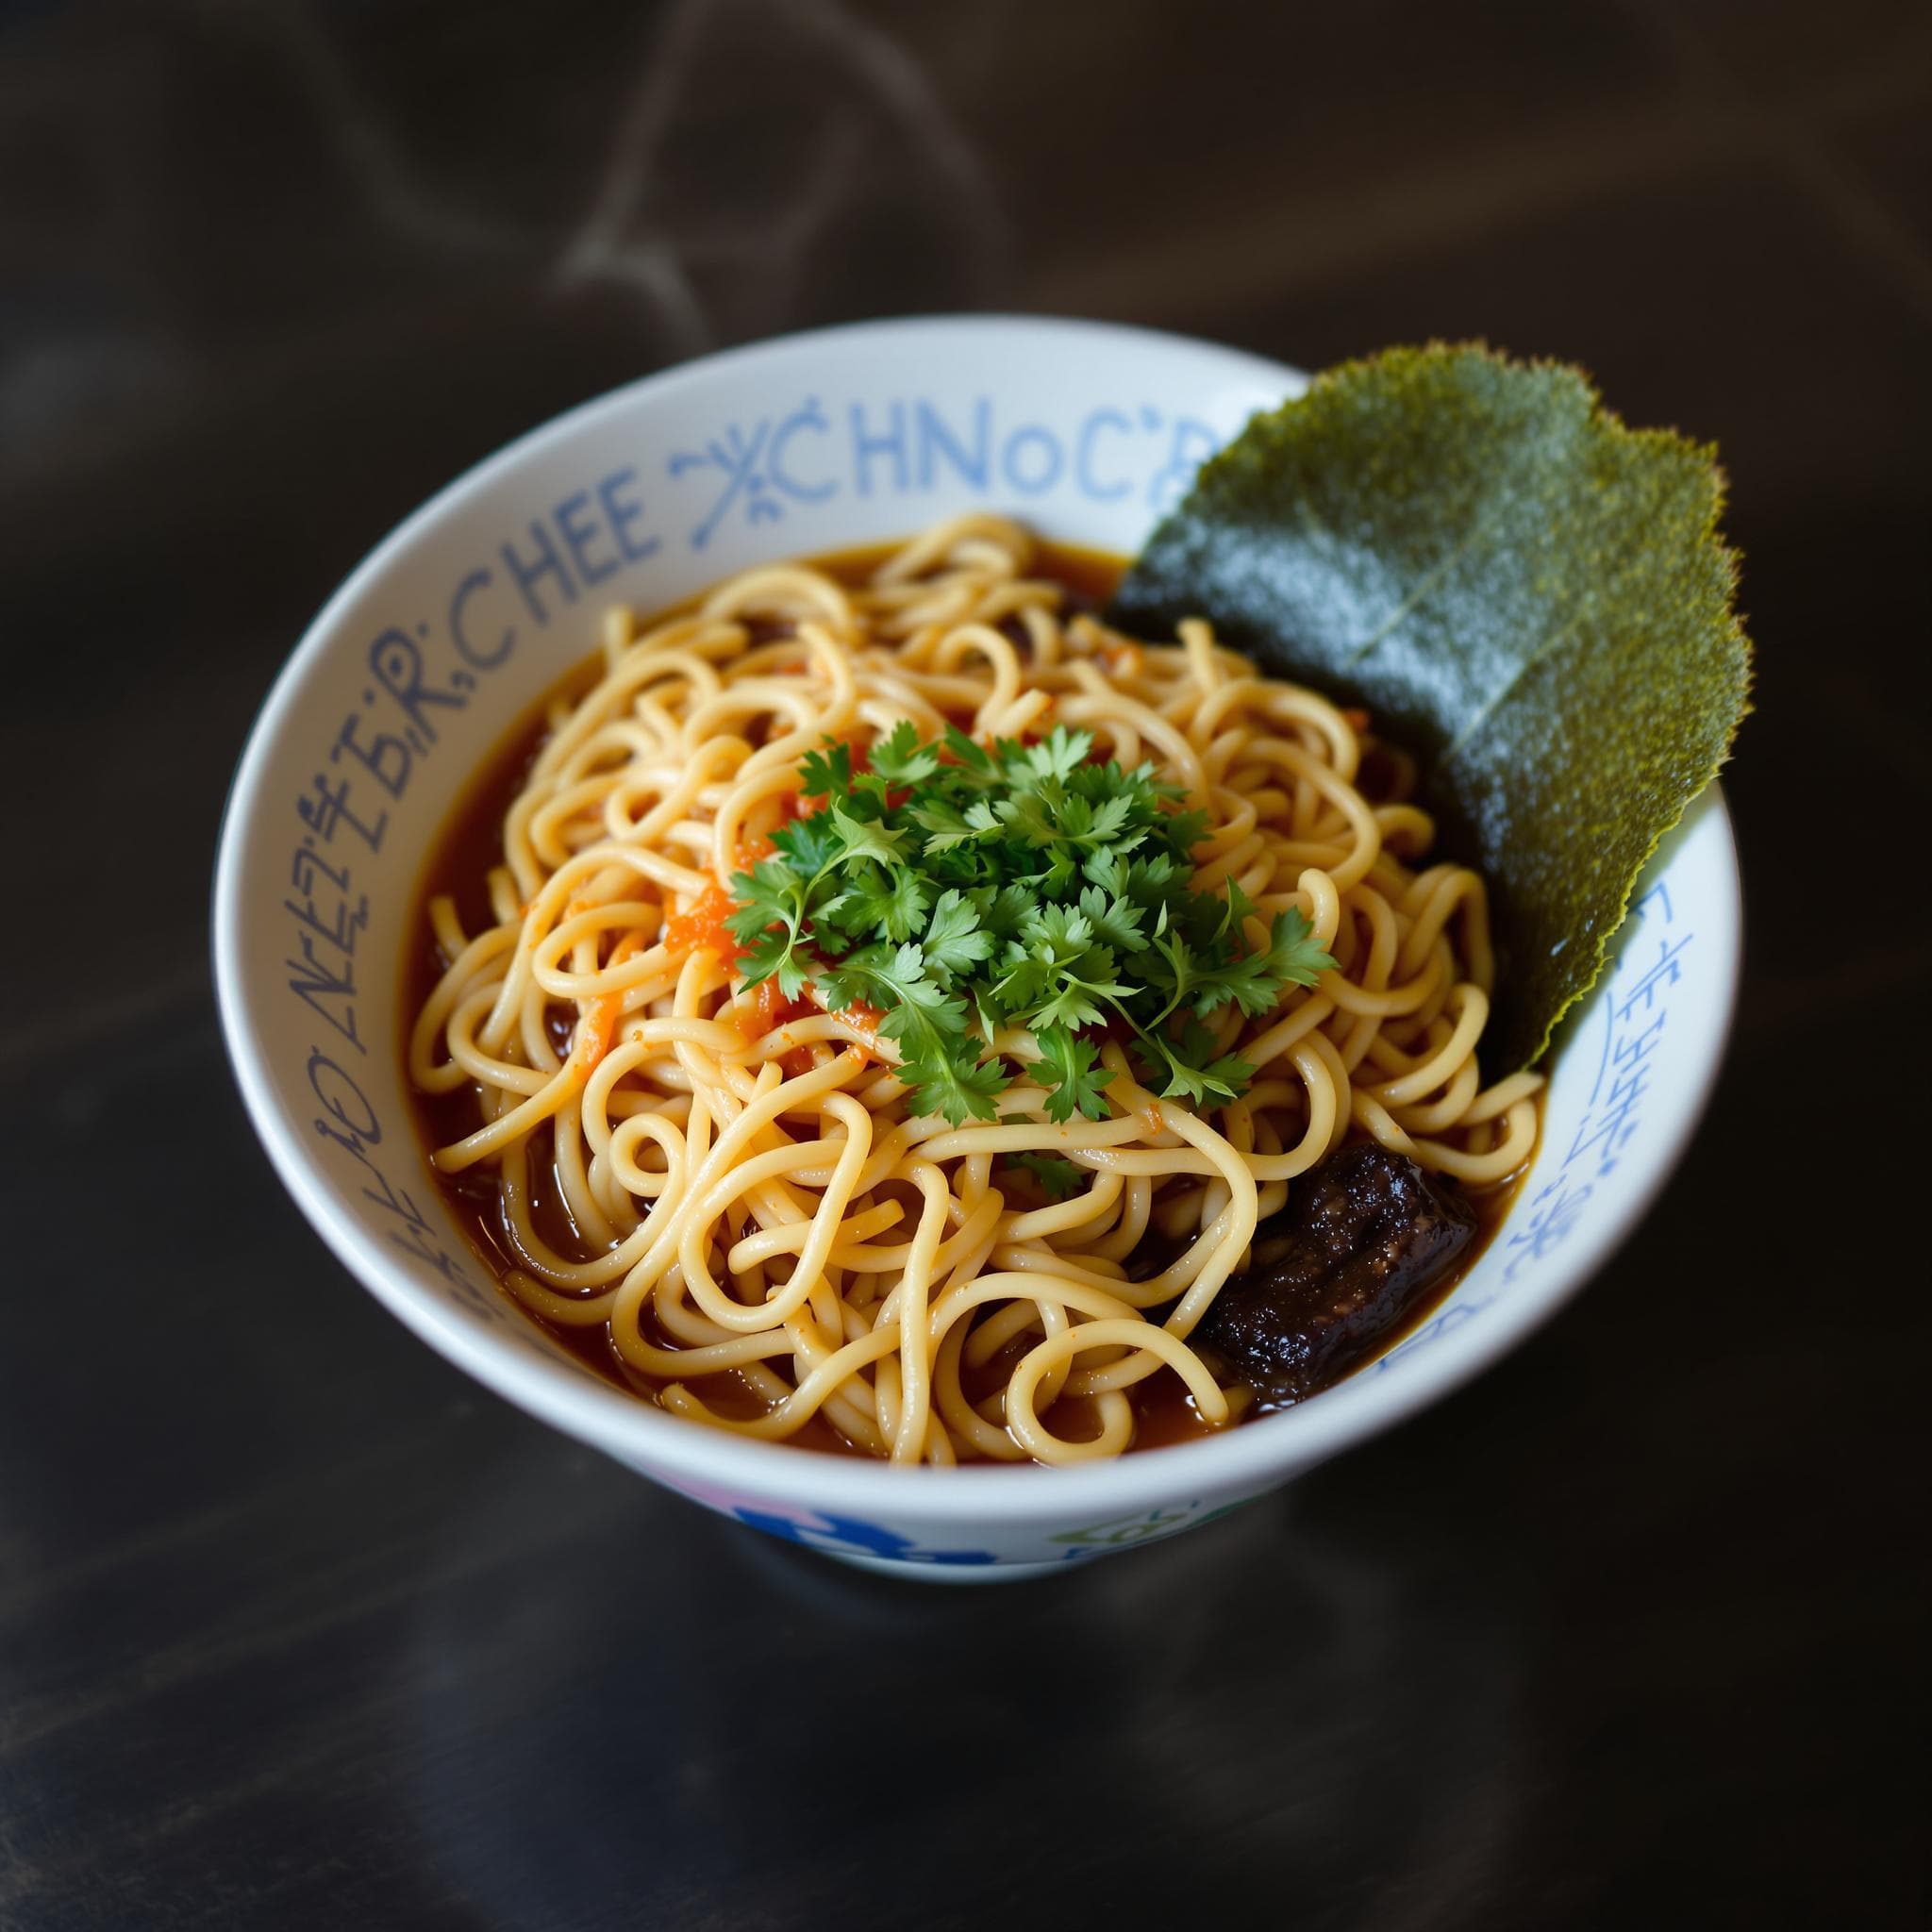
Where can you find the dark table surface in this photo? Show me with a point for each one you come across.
(299, 1627)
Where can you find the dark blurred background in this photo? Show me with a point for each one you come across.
(297, 1627)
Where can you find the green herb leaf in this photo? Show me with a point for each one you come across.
(894, 902)
(954, 941)
(1068, 1069)
(1056, 757)
(806, 845)
(864, 838)
(774, 950)
(942, 887)
(1533, 599)
(825, 774)
(899, 759)
(1117, 920)
(1059, 1178)
(1255, 980)
(1185, 1070)
(767, 925)
(941, 1061)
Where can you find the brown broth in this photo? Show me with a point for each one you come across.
(470, 843)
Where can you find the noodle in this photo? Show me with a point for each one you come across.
(758, 1219)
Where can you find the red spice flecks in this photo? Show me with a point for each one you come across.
(770, 1007)
(865, 1019)
(598, 1019)
(702, 926)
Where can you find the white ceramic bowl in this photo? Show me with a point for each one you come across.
(477, 604)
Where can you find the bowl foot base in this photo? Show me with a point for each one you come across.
(948, 1573)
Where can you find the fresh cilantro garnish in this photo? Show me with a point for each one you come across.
(769, 923)
(963, 892)
(1069, 1070)
(1058, 1177)
(827, 774)
(1190, 1075)
(901, 760)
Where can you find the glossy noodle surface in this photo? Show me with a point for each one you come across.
(727, 1195)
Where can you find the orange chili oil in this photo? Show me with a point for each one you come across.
(470, 843)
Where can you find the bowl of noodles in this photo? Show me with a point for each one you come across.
(721, 935)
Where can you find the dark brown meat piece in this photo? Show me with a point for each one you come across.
(1336, 1274)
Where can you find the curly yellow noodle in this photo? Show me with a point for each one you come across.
(739, 1197)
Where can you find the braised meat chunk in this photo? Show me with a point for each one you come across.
(1337, 1273)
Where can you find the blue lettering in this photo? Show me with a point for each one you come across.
(580, 536)
(386, 761)
(315, 984)
(736, 456)
(347, 1142)
(398, 667)
(808, 416)
(354, 1137)
(1083, 461)
(529, 575)
(396, 1200)
(306, 864)
(342, 930)
(936, 439)
(327, 809)
(414, 1241)
(1045, 472)
(473, 653)
(866, 445)
(332, 1102)
(622, 512)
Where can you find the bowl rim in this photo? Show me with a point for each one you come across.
(1267, 1450)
